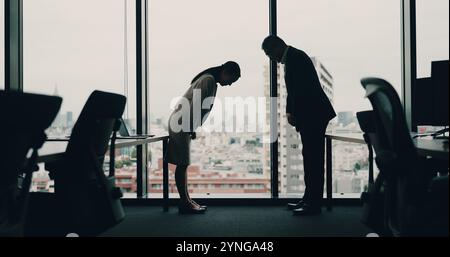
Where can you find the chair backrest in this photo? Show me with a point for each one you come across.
(24, 119)
(95, 124)
(368, 123)
(80, 185)
(389, 118)
(396, 156)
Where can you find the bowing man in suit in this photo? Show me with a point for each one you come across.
(309, 110)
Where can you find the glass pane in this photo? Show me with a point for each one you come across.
(186, 40)
(432, 34)
(351, 169)
(73, 47)
(347, 40)
(126, 171)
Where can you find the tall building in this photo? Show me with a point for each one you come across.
(325, 77)
(69, 119)
(290, 160)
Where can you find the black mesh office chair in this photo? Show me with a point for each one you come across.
(88, 199)
(407, 185)
(24, 118)
(373, 200)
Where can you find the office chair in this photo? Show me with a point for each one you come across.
(89, 200)
(24, 118)
(374, 212)
(373, 200)
(408, 187)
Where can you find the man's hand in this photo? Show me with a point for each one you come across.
(290, 119)
(193, 135)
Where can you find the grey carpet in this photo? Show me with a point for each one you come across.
(239, 222)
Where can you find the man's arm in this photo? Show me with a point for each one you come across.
(289, 107)
(290, 104)
(299, 80)
(289, 111)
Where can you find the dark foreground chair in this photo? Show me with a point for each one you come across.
(86, 201)
(373, 200)
(409, 199)
(24, 119)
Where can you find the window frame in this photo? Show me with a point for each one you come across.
(13, 16)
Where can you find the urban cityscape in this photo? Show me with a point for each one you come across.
(237, 165)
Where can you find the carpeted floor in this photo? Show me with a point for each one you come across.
(239, 222)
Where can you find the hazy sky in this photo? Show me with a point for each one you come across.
(432, 34)
(78, 45)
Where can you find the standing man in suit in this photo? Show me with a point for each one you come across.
(309, 110)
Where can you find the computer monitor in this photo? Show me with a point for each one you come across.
(440, 81)
(422, 97)
(125, 133)
(123, 130)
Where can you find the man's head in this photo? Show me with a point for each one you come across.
(274, 47)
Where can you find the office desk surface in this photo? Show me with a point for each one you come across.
(435, 148)
(425, 147)
(54, 149)
(356, 138)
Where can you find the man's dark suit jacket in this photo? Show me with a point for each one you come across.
(306, 101)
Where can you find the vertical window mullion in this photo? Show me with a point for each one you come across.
(13, 45)
(409, 55)
(141, 95)
(273, 105)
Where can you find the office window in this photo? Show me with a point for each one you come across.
(2, 45)
(432, 34)
(73, 47)
(187, 37)
(347, 40)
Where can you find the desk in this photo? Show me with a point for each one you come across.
(434, 148)
(53, 150)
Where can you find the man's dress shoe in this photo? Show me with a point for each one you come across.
(293, 206)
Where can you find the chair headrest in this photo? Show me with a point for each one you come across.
(103, 105)
(27, 112)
